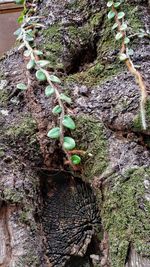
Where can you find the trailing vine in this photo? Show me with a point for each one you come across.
(36, 61)
(121, 26)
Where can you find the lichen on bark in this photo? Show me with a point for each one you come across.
(125, 213)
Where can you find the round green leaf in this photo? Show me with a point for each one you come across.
(126, 40)
(38, 52)
(141, 34)
(65, 98)
(117, 4)
(31, 64)
(130, 52)
(18, 32)
(54, 79)
(30, 32)
(68, 122)
(40, 75)
(54, 133)
(29, 38)
(123, 27)
(56, 110)
(75, 159)
(43, 63)
(69, 143)
(109, 3)
(121, 15)
(27, 53)
(115, 26)
(122, 57)
(49, 90)
(21, 86)
(119, 35)
(111, 14)
(20, 19)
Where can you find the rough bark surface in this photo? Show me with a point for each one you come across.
(48, 217)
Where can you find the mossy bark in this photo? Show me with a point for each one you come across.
(82, 50)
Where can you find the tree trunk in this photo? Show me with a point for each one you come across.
(99, 214)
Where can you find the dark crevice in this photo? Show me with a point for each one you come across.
(84, 56)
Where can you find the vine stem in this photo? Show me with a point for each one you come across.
(138, 77)
(60, 104)
(27, 45)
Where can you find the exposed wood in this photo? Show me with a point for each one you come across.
(136, 260)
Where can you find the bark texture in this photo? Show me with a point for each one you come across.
(48, 215)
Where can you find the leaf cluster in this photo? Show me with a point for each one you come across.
(39, 64)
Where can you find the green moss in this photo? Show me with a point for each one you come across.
(96, 74)
(137, 125)
(77, 6)
(26, 127)
(3, 98)
(132, 14)
(89, 136)
(107, 64)
(102, 69)
(52, 44)
(96, 70)
(79, 35)
(107, 43)
(123, 217)
(96, 19)
(25, 216)
(11, 195)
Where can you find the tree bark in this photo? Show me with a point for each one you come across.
(98, 215)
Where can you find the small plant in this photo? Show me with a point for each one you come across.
(37, 62)
(121, 27)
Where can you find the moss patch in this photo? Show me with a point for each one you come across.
(95, 74)
(78, 35)
(133, 18)
(126, 215)
(90, 137)
(3, 98)
(77, 5)
(11, 195)
(52, 44)
(96, 19)
(107, 63)
(26, 127)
